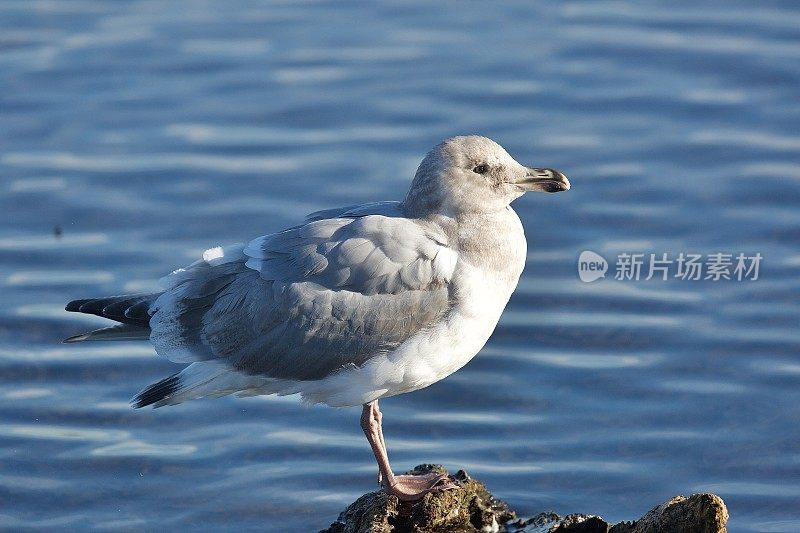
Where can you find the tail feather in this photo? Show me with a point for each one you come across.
(157, 392)
(199, 380)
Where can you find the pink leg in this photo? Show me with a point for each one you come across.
(405, 487)
(379, 419)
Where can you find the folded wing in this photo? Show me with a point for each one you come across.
(305, 302)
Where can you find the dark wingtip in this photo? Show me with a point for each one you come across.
(157, 392)
(75, 305)
(75, 338)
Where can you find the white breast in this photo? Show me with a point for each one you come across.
(480, 288)
(438, 352)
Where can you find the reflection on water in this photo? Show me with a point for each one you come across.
(47, 242)
(59, 433)
(135, 135)
(135, 448)
(58, 277)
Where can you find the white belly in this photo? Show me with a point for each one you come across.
(436, 353)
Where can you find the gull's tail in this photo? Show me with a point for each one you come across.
(199, 380)
(157, 392)
(131, 311)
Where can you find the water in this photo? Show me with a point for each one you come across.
(149, 131)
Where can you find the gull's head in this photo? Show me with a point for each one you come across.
(473, 174)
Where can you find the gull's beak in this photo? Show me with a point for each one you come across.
(543, 180)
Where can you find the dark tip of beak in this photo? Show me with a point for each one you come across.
(545, 180)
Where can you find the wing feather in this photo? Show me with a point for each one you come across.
(302, 303)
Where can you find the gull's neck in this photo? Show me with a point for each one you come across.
(491, 240)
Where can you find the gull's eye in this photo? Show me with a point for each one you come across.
(483, 168)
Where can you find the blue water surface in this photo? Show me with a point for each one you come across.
(147, 131)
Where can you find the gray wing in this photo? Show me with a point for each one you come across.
(388, 209)
(304, 302)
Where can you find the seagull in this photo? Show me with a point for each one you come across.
(356, 304)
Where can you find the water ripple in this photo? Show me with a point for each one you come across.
(49, 432)
(151, 162)
(136, 448)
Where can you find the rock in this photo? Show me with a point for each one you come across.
(471, 508)
(552, 523)
(699, 513)
(466, 509)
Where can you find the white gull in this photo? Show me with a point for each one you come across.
(356, 304)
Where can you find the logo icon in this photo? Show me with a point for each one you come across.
(591, 266)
